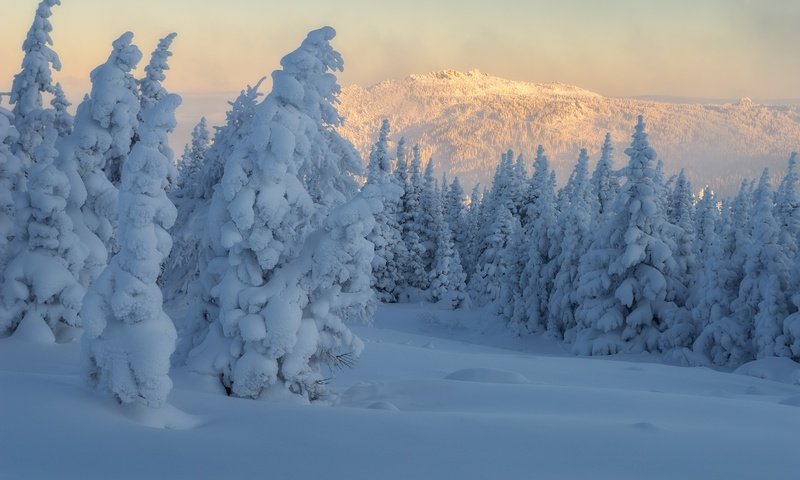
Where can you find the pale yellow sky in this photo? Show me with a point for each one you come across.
(692, 48)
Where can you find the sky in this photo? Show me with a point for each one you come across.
(682, 48)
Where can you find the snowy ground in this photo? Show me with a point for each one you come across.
(427, 400)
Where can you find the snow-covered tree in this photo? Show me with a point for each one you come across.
(192, 162)
(196, 264)
(575, 221)
(10, 175)
(623, 276)
(455, 214)
(277, 311)
(536, 253)
(64, 122)
(787, 209)
(104, 128)
(391, 256)
(34, 79)
(763, 302)
(413, 226)
(489, 281)
(41, 287)
(447, 278)
(116, 103)
(128, 339)
(604, 180)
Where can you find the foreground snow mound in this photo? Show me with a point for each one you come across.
(487, 375)
(777, 369)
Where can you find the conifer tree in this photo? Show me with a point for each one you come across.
(575, 221)
(128, 339)
(412, 225)
(391, 257)
(787, 209)
(41, 287)
(762, 302)
(292, 266)
(604, 181)
(536, 253)
(35, 78)
(104, 129)
(10, 175)
(623, 275)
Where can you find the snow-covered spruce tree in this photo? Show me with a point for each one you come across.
(64, 122)
(412, 226)
(490, 279)
(623, 275)
(128, 339)
(763, 294)
(469, 255)
(197, 262)
(787, 209)
(35, 78)
(713, 289)
(191, 163)
(682, 330)
(104, 127)
(575, 221)
(10, 175)
(391, 257)
(455, 214)
(448, 281)
(604, 179)
(430, 201)
(180, 269)
(118, 98)
(535, 254)
(281, 308)
(40, 288)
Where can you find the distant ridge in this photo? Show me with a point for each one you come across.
(466, 119)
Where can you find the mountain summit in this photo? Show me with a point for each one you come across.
(466, 119)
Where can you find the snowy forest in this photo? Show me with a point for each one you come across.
(255, 257)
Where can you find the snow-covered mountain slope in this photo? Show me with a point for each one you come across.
(433, 397)
(465, 119)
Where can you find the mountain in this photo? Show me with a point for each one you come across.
(464, 120)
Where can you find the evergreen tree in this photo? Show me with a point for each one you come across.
(604, 181)
(128, 338)
(623, 275)
(787, 209)
(197, 262)
(31, 119)
(10, 175)
(447, 278)
(104, 128)
(288, 277)
(535, 254)
(391, 256)
(575, 220)
(412, 226)
(116, 103)
(762, 302)
(64, 122)
(41, 287)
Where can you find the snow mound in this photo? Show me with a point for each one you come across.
(777, 369)
(487, 375)
(167, 417)
(34, 330)
(791, 401)
(384, 406)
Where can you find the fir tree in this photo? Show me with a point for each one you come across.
(283, 289)
(575, 220)
(391, 256)
(128, 338)
(623, 275)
